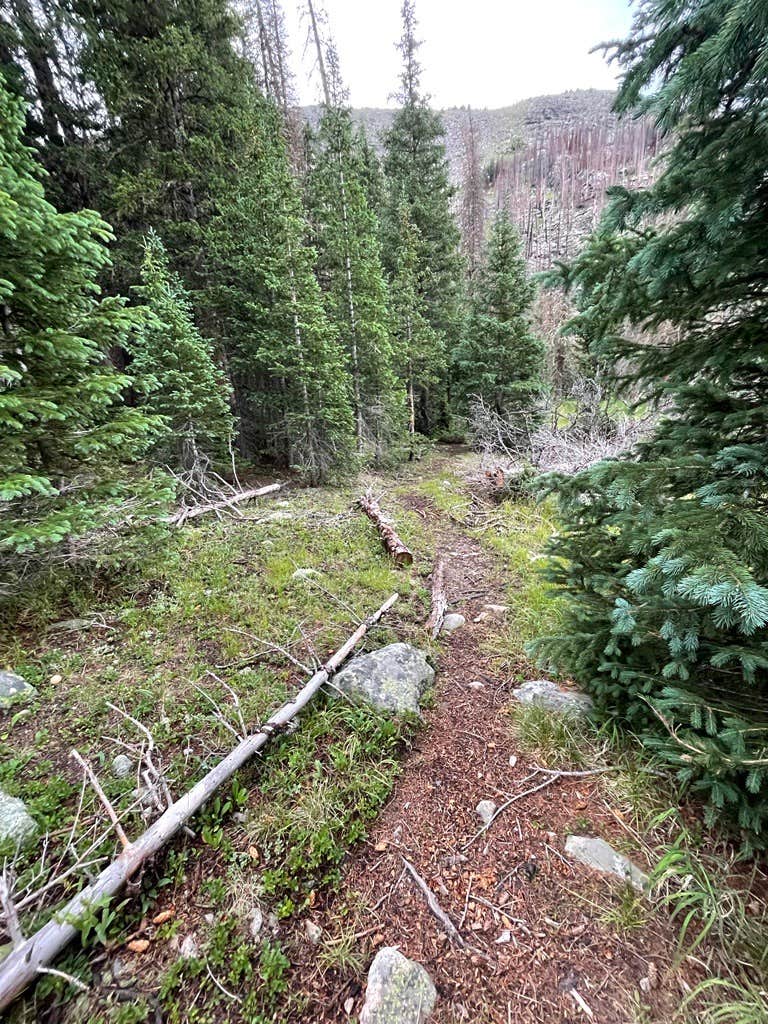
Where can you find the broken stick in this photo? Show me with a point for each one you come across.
(181, 517)
(26, 960)
(450, 928)
(389, 538)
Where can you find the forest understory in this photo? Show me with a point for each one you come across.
(296, 873)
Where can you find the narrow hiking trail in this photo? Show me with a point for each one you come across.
(539, 944)
(275, 909)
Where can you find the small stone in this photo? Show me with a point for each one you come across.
(189, 949)
(122, 766)
(452, 622)
(496, 611)
(257, 922)
(399, 991)
(209, 918)
(349, 1005)
(313, 932)
(486, 810)
(546, 694)
(280, 516)
(304, 574)
(597, 854)
(476, 685)
(392, 678)
(505, 936)
(55, 680)
(15, 690)
(17, 826)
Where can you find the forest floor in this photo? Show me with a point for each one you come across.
(295, 877)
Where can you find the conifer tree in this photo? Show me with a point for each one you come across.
(65, 434)
(500, 360)
(418, 346)
(349, 259)
(292, 389)
(416, 172)
(174, 370)
(663, 557)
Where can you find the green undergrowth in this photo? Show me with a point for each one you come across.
(185, 652)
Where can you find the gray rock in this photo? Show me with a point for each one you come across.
(17, 826)
(596, 853)
(313, 932)
(476, 685)
(257, 922)
(122, 766)
(452, 622)
(190, 947)
(304, 574)
(392, 678)
(486, 810)
(14, 690)
(547, 694)
(280, 516)
(399, 991)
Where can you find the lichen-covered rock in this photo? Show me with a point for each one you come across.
(452, 622)
(122, 766)
(392, 678)
(399, 991)
(17, 826)
(596, 853)
(547, 694)
(485, 811)
(14, 690)
(304, 574)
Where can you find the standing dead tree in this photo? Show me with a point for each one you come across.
(31, 957)
(394, 546)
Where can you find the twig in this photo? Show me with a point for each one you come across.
(63, 974)
(102, 797)
(578, 999)
(220, 987)
(386, 895)
(450, 928)
(506, 804)
(9, 910)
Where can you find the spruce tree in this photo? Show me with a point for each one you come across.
(663, 555)
(65, 434)
(292, 389)
(416, 171)
(174, 370)
(500, 360)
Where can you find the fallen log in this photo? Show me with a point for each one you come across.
(32, 956)
(389, 538)
(439, 600)
(184, 514)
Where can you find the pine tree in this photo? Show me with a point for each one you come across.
(174, 370)
(663, 556)
(349, 260)
(500, 361)
(416, 172)
(65, 434)
(292, 389)
(419, 349)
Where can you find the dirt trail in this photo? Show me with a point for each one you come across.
(513, 882)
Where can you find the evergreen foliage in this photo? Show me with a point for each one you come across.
(65, 434)
(500, 360)
(351, 276)
(416, 173)
(174, 369)
(663, 558)
(292, 390)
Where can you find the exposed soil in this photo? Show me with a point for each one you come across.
(512, 881)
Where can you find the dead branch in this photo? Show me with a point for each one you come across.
(23, 963)
(102, 797)
(184, 514)
(512, 800)
(9, 910)
(439, 600)
(450, 928)
(394, 546)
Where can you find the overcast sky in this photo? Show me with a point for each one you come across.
(486, 53)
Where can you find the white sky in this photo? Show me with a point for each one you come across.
(486, 53)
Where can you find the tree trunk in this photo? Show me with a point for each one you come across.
(389, 538)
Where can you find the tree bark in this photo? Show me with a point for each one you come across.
(389, 538)
(439, 601)
(23, 963)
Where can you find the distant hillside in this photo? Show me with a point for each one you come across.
(548, 160)
(498, 131)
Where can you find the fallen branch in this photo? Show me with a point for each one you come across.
(518, 796)
(450, 928)
(23, 963)
(439, 601)
(389, 538)
(184, 514)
